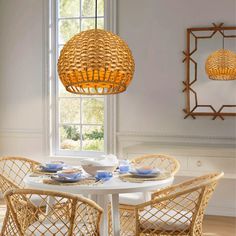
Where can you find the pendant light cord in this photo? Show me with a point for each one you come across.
(223, 39)
(96, 13)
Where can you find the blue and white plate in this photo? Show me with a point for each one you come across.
(50, 170)
(66, 179)
(154, 173)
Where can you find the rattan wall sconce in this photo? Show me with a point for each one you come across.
(193, 107)
(96, 62)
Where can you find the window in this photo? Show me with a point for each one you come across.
(79, 123)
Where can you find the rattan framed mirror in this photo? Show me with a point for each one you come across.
(205, 97)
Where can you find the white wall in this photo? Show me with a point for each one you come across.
(156, 32)
(149, 113)
(21, 77)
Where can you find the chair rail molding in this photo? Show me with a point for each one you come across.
(135, 135)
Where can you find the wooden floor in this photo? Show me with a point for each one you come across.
(219, 226)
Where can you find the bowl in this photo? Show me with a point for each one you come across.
(54, 164)
(69, 173)
(92, 170)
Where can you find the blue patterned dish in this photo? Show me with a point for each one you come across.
(66, 179)
(154, 173)
(50, 170)
(103, 178)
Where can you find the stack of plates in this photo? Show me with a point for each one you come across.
(66, 179)
(151, 174)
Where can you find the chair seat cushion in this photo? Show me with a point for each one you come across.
(37, 201)
(131, 198)
(167, 220)
(48, 228)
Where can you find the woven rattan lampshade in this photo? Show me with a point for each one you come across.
(221, 65)
(96, 62)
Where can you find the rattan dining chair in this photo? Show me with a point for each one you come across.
(129, 200)
(13, 170)
(176, 210)
(64, 215)
(160, 161)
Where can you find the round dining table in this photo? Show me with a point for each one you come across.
(102, 193)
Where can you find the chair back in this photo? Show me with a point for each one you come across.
(164, 162)
(13, 170)
(181, 206)
(55, 214)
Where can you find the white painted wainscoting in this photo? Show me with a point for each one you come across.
(197, 156)
(25, 142)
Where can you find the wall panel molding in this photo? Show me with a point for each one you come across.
(176, 138)
(21, 133)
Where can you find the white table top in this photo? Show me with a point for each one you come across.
(113, 186)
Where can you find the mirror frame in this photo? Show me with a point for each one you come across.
(191, 112)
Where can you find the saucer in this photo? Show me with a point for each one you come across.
(66, 179)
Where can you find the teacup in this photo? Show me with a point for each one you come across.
(54, 164)
(69, 173)
(103, 174)
(124, 166)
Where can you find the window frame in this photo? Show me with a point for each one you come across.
(51, 121)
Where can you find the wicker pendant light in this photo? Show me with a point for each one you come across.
(96, 62)
(221, 65)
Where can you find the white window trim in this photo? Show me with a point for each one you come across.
(49, 86)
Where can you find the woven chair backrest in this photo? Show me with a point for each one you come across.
(161, 161)
(183, 204)
(55, 213)
(13, 170)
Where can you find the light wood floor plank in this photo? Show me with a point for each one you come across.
(219, 226)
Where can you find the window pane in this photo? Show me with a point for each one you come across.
(67, 29)
(68, 8)
(93, 138)
(88, 7)
(59, 50)
(87, 24)
(90, 24)
(70, 137)
(100, 23)
(93, 110)
(69, 110)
